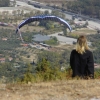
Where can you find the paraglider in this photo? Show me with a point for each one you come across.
(40, 18)
(44, 17)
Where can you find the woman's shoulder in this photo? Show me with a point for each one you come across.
(74, 51)
(89, 51)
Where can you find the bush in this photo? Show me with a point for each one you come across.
(44, 72)
(97, 74)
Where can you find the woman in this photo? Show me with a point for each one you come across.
(81, 59)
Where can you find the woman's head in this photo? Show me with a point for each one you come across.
(81, 45)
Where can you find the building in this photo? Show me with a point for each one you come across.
(4, 39)
(10, 58)
(24, 45)
(2, 60)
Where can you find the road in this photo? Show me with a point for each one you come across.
(63, 39)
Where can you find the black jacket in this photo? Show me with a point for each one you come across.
(82, 64)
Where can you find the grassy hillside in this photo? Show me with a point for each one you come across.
(59, 90)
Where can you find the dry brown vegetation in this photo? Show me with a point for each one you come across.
(59, 90)
(84, 31)
(32, 28)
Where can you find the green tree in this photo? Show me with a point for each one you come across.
(65, 31)
(4, 3)
(46, 12)
(48, 73)
(43, 66)
(28, 76)
(14, 3)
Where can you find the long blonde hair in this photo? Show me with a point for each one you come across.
(82, 45)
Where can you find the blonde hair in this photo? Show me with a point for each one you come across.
(82, 45)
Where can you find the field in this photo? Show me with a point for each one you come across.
(84, 31)
(32, 28)
(31, 52)
(59, 90)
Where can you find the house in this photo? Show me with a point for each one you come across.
(1, 55)
(4, 39)
(96, 65)
(10, 58)
(24, 45)
(2, 60)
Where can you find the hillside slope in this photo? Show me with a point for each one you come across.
(60, 90)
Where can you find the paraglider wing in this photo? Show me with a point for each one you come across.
(57, 19)
(65, 23)
(44, 17)
(29, 20)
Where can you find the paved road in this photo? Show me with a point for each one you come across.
(63, 39)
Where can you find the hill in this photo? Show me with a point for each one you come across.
(59, 90)
(86, 7)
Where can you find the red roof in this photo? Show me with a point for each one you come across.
(2, 59)
(24, 45)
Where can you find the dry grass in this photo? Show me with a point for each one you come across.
(60, 90)
(64, 47)
(84, 31)
(32, 28)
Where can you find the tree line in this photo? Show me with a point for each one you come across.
(86, 7)
(95, 39)
(4, 3)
